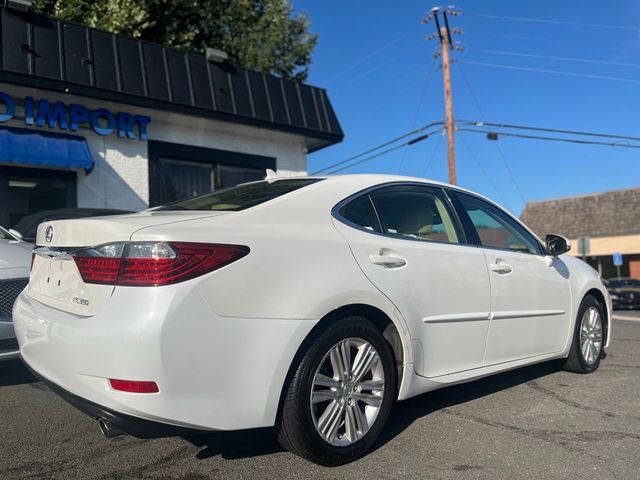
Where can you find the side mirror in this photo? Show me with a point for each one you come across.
(15, 233)
(557, 245)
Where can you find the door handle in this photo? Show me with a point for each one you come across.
(388, 261)
(500, 267)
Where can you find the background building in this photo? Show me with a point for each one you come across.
(611, 220)
(93, 119)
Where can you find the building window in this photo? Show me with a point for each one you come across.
(180, 179)
(182, 171)
(25, 191)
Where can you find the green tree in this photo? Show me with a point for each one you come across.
(261, 35)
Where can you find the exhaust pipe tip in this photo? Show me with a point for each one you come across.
(108, 430)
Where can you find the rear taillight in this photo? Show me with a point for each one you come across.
(146, 264)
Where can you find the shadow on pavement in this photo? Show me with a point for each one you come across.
(249, 443)
(235, 445)
(406, 412)
(14, 372)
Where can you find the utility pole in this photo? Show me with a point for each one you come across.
(444, 34)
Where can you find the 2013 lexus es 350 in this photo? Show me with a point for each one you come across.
(308, 304)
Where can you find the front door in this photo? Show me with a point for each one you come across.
(408, 243)
(530, 297)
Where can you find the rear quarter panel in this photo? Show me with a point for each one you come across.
(299, 266)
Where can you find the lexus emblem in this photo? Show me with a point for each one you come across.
(48, 234)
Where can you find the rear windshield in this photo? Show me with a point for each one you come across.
(240, 197)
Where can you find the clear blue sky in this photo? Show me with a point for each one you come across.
(373, 59)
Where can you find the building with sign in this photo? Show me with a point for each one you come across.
(96, 120)
(600, 226)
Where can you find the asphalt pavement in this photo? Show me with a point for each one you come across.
(538, 422)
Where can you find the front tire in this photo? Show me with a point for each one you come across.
(340, 394)
(588, 338)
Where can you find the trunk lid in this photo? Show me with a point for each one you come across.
(55, 279)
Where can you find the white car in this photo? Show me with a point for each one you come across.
(311, 304)
(15, 261)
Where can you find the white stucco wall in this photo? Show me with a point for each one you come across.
(120, 176)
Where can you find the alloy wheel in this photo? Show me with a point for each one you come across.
(591, 335)
(347, 392)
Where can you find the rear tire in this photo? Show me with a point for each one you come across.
(340, 394)
(587, 347)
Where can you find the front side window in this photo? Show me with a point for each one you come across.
(242, 196)
(497, 229)
(415, 212)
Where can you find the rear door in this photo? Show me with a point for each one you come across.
(530, 296)
(408, 242)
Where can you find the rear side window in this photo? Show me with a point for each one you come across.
(416, 213)
(242, 196)
(361, 213)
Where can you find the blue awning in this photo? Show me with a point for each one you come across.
(44, 149)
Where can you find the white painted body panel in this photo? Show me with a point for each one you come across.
(220, 345)
(442, 291)
(530, 307)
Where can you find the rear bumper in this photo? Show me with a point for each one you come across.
(138, 427)
(213, 372)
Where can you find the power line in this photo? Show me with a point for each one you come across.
(554, 22)
(552, 139)
(562, 59)
(548, 130)
(432, 156)
(556, 72)
(375, 68)
(366, 57)
(486, 174)
(385, 144)
(500, 152)
(415, 117)
(413, 141)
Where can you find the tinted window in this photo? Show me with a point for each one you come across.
(242, 196)
(415, 212)
(497, 229)
(360, 212)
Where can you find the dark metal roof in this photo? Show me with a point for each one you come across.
(47, 53)
(606, 214)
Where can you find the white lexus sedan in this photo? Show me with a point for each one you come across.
(308, 304)
(15, 259)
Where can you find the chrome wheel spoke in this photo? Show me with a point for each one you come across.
(330, 420)
(337, 364)
(361, 419)
(345, 355)
(324, 395)
(351, 427)
(373, 384)
(369, 399)
(364, 361)
(324, 381)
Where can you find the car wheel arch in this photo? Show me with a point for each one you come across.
(377, 317)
